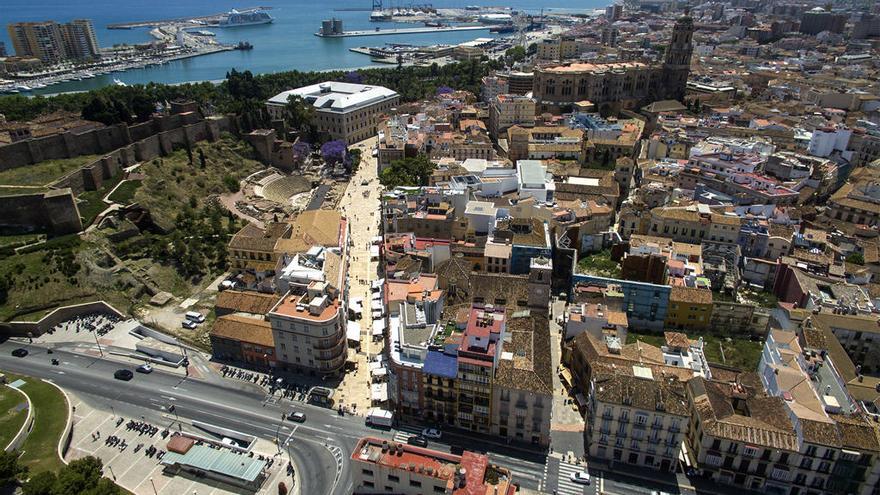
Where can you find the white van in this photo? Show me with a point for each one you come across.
(195, 317)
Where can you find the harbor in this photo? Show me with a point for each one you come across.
(401, 31)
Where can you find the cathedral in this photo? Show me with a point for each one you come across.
(618, 85)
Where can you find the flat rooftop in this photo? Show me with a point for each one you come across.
(337, 97)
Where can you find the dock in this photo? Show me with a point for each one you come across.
(399, 31)
(206, 19)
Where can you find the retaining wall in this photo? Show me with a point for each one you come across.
(64, 313)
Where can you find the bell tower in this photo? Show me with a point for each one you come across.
(677, 59)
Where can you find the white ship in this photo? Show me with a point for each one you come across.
(249, 18)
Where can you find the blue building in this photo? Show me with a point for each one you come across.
(645, 304)
(754, 238)
(528, 237)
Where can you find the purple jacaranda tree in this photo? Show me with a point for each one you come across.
(334, 152)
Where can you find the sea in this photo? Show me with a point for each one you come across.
(286, 44)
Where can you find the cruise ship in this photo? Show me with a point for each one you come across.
(249, 18)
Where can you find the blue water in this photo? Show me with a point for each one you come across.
(286, 44)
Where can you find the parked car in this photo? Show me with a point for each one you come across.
(195, 316)
(297, 416)
(580, 477)
(20, 352)
(188, 324)
(418, 441)
(433, 433)
(123, 375)
(145, 368)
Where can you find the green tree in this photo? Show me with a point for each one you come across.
(10, 468)
(78, 476)
(40, 484)
(299, 114)
(856, 259)
(515, 54)
(412, 171)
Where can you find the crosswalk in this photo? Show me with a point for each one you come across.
(403, 433)
(564, 485)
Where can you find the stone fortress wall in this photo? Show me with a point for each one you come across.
(121, 145)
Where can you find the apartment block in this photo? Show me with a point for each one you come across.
(379, 466)
(309, 330)
(506, 110)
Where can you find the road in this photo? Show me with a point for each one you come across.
(319, 447)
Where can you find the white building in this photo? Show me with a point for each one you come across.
(534, 181)
(345, 111)
(827, 140)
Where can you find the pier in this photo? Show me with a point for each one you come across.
(398, 31)
(205, 20)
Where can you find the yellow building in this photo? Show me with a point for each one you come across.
(252, 249)
(689, 308)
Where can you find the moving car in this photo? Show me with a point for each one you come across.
(417, 440)
(432, 433)
(145, 368)
(581, 477)
(297, 416)
(123, 375)
(20, 352)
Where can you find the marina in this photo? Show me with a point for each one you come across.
(402, 31)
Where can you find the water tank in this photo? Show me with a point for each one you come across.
(337, 26)
(327, 26)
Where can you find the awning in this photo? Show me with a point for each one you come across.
(353, 331)
(377, 305)
(374, 251)
(377, 284)
(376, 240)
(374, 365)
(377, 296)
(356, 304)
(379, 372)
(565, 375)
(378, 327)
(379, 392)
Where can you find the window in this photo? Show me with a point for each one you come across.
(439, 489)
(367, 472)
(414, 483)
(369, 484)
(394, 479)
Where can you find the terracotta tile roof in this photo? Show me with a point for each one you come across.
(667, 396)
(690, 295)
(253, 238)
(244, 329)
(676, 340)
(529, 367)
(761, 420)
(245, 301)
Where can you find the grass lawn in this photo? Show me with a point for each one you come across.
(18, 240)
(599, 264)
(739, 353)
(13, 412)
(91, 203)
(40, 450)
(45, 172)
(124, 194)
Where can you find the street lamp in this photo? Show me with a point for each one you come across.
(95, 333)
(277, 429)
(154, 486)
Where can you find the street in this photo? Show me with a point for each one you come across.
(319, 447)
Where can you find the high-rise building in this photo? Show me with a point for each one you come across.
(79, 39)
(2, 49)
(52, 42)
(818, 19)
(42, 40)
